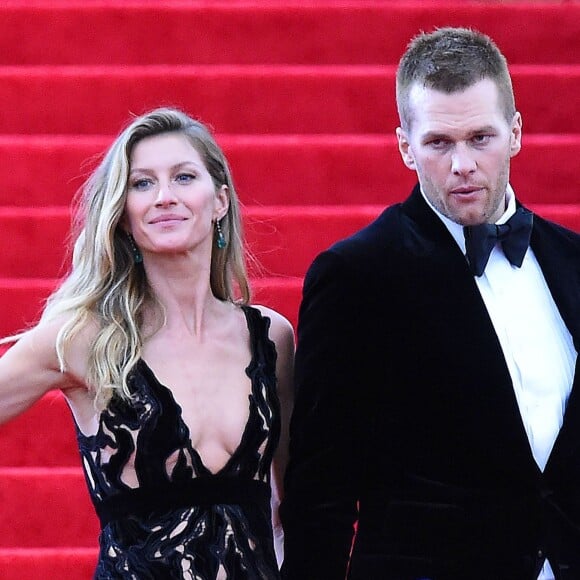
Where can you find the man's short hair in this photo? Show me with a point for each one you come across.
(451, 60)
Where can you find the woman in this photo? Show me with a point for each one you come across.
(180, 391)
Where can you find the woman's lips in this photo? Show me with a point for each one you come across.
(167, 219)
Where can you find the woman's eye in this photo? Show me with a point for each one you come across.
(185, 178)
(141, 184)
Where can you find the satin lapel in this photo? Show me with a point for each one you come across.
(561, 268)
(560, 264)
(459, 313)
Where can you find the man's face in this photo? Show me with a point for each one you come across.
(460, 145)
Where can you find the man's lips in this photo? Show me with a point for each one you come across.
(465, 190)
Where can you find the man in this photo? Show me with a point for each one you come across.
(438, 395)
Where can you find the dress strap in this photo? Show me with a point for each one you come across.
(263, 347)
(262, 371)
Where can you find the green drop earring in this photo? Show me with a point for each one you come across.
(137, 255)
(220, 238)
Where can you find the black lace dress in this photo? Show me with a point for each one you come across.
(186, 523)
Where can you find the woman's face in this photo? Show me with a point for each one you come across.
(172, 202)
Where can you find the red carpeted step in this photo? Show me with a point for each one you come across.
(47, 563)
(24, 440)
(309, 99)
(45, 170)
(283, 239)
(566, 215)
(307, 144)
(282, 293)
(355, 32)
(23, 299)
(55, 509)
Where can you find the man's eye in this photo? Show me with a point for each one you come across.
(481, 139)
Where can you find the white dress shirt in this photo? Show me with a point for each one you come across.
(536, 343)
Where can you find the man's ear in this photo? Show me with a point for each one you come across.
(405, 149)
(516, 135)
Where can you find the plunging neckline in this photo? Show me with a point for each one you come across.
(195, 453)
(201, 466)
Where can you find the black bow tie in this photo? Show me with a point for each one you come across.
(514, 237)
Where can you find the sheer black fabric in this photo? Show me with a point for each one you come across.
(178, 520)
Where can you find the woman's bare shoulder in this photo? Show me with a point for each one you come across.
(280, 326)
(42, 341)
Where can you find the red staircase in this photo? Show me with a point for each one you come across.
(301, 96)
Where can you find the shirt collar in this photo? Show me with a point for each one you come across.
(456, 230)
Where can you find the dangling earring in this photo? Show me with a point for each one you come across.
(220, 238)
(137, 255)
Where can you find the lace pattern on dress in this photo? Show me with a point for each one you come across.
(169, 522)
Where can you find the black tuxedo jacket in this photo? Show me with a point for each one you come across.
(406, 420)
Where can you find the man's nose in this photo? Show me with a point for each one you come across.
(463, 160)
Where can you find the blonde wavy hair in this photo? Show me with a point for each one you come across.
(105, 284)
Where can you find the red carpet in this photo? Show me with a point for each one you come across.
(301, 96)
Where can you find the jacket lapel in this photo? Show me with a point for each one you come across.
(473, 343)
(561, 268)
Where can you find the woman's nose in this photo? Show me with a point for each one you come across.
(165, 195)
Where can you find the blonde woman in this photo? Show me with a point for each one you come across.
(179, 389)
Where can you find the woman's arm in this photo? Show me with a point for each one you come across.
(30, 368)
(282, 334)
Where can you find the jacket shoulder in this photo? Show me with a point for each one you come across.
(548, 231)
(380, 236)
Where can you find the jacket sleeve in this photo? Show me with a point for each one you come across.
(319, 510)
